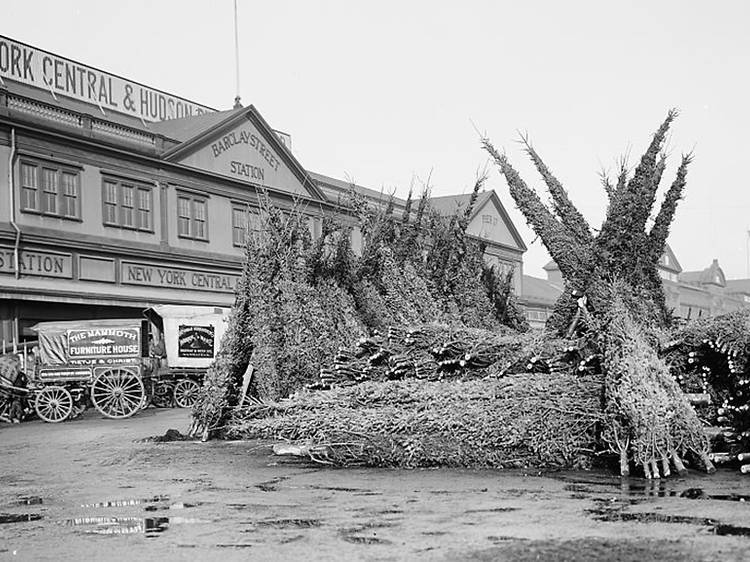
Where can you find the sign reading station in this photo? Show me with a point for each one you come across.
(177, 278)
(37, 263)
(32, 66)
(195, 341)
(104, 343)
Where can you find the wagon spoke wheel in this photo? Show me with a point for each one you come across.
(117, 393)
(186, 393)
(53, 404)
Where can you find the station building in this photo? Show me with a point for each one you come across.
(115, 196)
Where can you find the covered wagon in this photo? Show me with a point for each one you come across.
(184, 342)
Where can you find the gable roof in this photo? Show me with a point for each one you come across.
(198, 131)
(449, 204)
(187, 128)
(712, 275)
(674, 265)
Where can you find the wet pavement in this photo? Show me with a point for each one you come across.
(93, 489)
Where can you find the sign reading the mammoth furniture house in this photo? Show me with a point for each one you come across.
(196, 341)
(104, 343)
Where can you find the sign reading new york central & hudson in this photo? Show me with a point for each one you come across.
(22, 63)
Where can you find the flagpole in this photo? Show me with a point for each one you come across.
(236, 58)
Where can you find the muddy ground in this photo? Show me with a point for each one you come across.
(92, 489)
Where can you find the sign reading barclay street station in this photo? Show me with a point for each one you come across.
(60, 76)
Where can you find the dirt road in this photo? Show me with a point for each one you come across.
(90, 489)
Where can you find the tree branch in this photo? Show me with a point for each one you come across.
(564, 208)
(660, 229)
(562, 245)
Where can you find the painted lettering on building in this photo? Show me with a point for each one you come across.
(58, 75)
(37, 263)
(177, 278)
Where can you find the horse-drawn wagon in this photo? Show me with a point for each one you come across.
(121, 366)
(184, 343)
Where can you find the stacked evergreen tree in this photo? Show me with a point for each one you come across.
(624, 301)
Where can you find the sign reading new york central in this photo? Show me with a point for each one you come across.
(134, 273)
(22, 63)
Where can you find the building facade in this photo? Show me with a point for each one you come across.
(115, 196)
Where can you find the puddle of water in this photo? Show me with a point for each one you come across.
(492, 510)
(699, 494)
(722, 529)
(654, 488)
(339, 489)
(18, 517)
(150, 526)
(174, 506)
(126, 502)
(616, 515)
(283, 523)
(356, 539)
(29, 500)
(732, 530)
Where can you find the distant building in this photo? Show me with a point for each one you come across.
(689, 294)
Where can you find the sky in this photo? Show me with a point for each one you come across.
(396, 93)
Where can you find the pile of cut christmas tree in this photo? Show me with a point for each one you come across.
(414, 353)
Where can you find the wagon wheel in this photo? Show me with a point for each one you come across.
(162, 394)
(4, 409)
(186, 393)
(117, 393)
(53, 404)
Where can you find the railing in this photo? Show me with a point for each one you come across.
(81, 121)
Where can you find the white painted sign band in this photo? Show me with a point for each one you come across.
(22, 63)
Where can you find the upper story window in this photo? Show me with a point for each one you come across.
(50, 189)
(127, 204)
(192, 216)
(239, 225)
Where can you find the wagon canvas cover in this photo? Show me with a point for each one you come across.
(88, 342)
(192, 334)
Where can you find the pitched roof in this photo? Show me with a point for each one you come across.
(336, 189)
(539, 291)
(738, 286)
(668, 260)
(712, 275)
(449, 204)
(197, 131)
(186, 128)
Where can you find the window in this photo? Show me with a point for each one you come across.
(50, 189)
(239, 225)
(127, 204)
(192, 217)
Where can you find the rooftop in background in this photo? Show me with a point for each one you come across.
(712, 275)
(540, 291)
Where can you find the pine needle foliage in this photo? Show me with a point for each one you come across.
(300, 299)
(624, 247)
